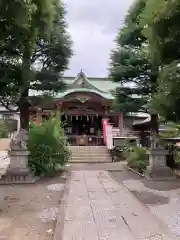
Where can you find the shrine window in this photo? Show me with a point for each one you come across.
(72, 108)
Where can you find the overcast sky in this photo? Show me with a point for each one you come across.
(93, 26)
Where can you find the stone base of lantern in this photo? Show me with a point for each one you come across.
(18, 171)
(157, 169)
(159, 174)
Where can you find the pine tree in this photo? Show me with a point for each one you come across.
(161, 19)
(131, 65)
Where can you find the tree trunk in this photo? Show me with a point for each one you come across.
(26, 79)
(24, 110)
(154, 123)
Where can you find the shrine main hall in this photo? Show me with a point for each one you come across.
(84, 103)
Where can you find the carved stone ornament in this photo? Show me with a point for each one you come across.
(82, 99)
(155, 141)
(19, 141)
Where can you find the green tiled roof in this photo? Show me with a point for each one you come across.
(108, 96)
(103, 84)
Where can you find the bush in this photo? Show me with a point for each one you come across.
(48, 147)
(7, 126)
(119, 153)
(11, 125)
(138, 159)
(173, 158)
(172, 132)
(4, 133)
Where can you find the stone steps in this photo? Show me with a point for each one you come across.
(89, 160)
(86, 154)
(89, 154)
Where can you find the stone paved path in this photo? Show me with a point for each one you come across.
(98, 208)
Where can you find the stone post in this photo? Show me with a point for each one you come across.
(157, 169)
(18, 171)
(121, 123)
(17, 117)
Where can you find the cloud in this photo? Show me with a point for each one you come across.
(93, 26)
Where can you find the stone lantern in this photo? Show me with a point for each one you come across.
(18, 171)
(158, 169)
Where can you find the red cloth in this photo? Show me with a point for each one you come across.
(38, 122)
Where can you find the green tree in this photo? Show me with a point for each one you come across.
(167, 98)
(161, 27)
(160, 23)
(36, 53)
(131, 64)
(4, 133)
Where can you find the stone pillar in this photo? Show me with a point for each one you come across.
(121, 123)
(157, 169)
(18, 161)
(17, 117)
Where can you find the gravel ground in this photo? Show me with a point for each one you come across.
(29, 212)
(162, 197)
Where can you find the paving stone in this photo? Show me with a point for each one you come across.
(98, 208)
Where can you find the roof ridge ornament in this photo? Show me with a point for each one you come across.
(81, 73)
(81, 79)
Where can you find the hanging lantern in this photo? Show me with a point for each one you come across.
(76, 117)
(88, 118)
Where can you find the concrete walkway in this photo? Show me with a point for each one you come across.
(98, 208)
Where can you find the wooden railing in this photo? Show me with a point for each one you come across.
(92, 140)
